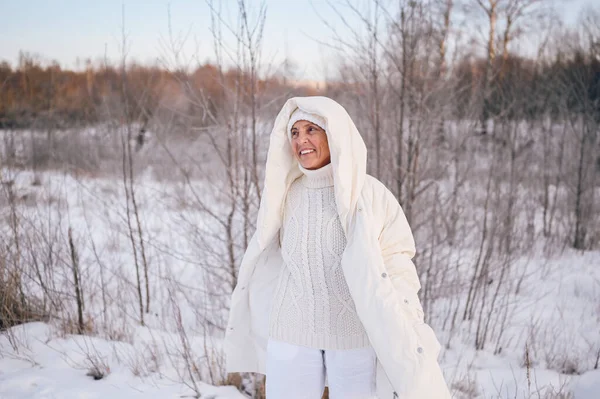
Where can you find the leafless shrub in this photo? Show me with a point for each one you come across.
(557, 395)
(70, 325)
(98, 370)
(466, 387)
(19, 346)
(192, 373)
(93, 360)
(147, 361)
(552, 392)
(12, 309)
(15, 306)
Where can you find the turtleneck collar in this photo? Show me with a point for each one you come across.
(317, 178)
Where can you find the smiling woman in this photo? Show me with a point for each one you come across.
(327, 290)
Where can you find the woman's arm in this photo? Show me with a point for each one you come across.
(398, 249)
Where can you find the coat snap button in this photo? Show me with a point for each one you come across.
(406, 301)
(384, 275)
(360, 209)
(420, 350)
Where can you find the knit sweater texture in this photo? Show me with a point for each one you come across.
(312, 306)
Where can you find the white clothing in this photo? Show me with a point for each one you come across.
(300, 115)
(312, 305)
(376, 263)
(297, 372)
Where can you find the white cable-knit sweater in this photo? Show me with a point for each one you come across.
(312, 305)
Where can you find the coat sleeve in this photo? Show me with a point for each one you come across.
(398, 249)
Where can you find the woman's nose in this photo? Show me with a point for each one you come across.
(302, 138)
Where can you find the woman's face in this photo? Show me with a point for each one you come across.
(310, 146)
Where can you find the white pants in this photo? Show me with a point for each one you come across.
(297, 372)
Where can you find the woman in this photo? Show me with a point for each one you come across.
(327, 289)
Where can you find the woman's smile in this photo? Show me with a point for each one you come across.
(307, 152)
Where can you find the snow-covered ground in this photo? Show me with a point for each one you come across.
(177, 353)
(48, 366)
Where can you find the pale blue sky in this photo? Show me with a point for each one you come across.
(67, 30)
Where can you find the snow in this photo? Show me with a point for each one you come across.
(46, 367)
(558, 316)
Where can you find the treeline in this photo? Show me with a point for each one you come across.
(38, 95)
(524, 88)
(41, 95)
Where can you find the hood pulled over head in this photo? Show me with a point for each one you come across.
(348, 159)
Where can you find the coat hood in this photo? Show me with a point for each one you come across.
(348, 158)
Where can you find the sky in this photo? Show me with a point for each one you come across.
(71, 31)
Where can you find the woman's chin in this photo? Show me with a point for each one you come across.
(309, 165)
(313, 164)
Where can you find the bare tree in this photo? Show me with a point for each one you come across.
(135, 231)
(515, 14)
(76, 285)
(490, 8)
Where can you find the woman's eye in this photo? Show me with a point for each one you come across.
(294, 133)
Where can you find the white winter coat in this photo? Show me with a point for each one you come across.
(376, 263)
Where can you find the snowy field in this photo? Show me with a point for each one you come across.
(547, 347)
